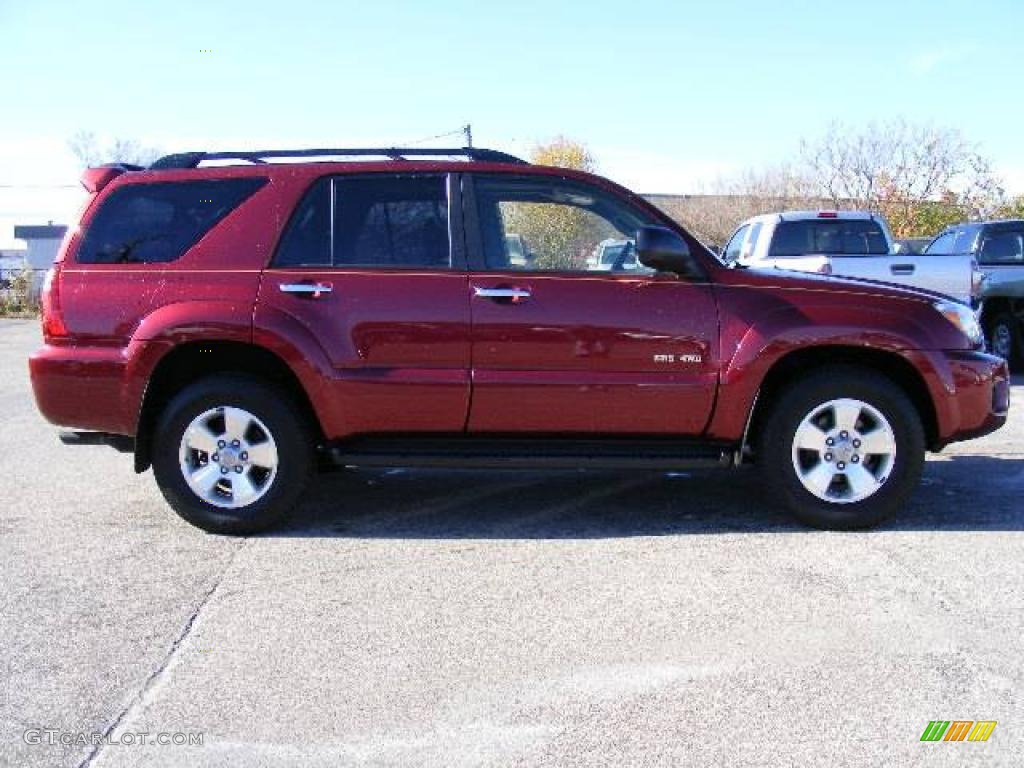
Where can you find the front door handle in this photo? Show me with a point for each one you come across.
(312, 290)
(508, 294)
(902, 269)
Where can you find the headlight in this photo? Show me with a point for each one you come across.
(963, 318)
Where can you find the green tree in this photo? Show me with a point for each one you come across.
(1012, 209)
(557, 236)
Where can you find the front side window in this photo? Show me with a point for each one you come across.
(734, 247)
(966, 240)
(556, 225)
(157, 223)
(848, 237)
(389, 222)
(941, 245)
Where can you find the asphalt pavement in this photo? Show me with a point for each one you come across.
(501, 618)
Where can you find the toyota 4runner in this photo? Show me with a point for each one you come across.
(236, 321)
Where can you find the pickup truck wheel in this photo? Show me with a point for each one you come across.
(843, 448)
(231, 454)
(1004, 338)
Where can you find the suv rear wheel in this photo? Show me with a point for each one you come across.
(231, 454)
(844, 448)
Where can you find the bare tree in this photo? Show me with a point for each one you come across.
(91, 152)
(919, 176)
(714, 214)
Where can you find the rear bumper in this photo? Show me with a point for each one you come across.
(85, 388)
(975, 396)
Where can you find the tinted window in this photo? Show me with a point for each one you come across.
(836, 236)
(1002, 248)
(307, 239)
(556, 225)
(377, 222)
(941, 245)
(149, 223)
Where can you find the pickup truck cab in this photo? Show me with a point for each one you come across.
(236, 321)
(847, 243)
(998, 247)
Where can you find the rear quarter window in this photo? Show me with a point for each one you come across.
(157, 223)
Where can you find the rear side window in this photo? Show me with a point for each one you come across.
(155, 223)
(370, 222)
(1002, 248)
(850, 237)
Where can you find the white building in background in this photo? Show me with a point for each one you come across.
(12, 259)
(43, 243)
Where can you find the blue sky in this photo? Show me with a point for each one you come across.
(669, 95)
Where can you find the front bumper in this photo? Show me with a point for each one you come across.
(977, 397)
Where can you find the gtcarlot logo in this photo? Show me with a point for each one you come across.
(52, 736)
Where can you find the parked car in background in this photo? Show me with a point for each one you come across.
(847, 243)
(910, 244)
(998, 247)
(613, 255)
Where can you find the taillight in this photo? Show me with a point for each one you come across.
(53, 320)
(828, 215)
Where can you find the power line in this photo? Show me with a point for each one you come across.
(465, 131)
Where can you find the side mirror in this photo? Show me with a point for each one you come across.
(663, 250)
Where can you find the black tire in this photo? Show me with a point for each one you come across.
(1004, 338)
(775, 448)
(283, 420)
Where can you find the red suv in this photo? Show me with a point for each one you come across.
(236, 321)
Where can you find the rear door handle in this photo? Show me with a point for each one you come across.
(515, 294)
(902, 269)
(313, 290)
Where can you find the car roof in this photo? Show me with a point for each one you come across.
(810, 216)
(321, 162)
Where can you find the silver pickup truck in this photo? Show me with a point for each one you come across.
(847, 243)
(998, 247)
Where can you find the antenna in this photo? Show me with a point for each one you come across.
(468, 130)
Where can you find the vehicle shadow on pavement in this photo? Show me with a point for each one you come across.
(957, 493)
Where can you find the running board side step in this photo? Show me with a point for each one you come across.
(541, 453)
(122, 443)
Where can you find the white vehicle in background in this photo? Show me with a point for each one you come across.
(848, 244)
(614, 256)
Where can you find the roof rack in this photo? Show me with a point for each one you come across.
(193, 159)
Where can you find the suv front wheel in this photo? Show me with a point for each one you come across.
(844, 448)
(231, 454)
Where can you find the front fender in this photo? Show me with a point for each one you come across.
(751, 347)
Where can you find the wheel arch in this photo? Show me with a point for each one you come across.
(888, 364)
(194, 360)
